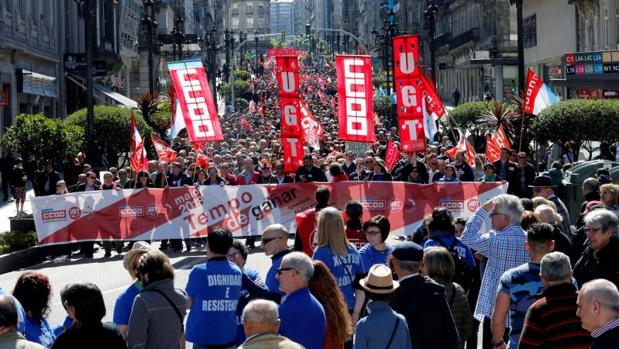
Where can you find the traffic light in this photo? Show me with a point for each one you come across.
(308, 29)
(283, 36)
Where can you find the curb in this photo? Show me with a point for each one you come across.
(27, 257)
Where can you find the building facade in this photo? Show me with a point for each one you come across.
(30, 52)
(251, 17)
(282, 17)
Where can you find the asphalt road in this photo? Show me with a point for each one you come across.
(111, 277)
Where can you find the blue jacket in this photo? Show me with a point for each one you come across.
(303, 319)
(463, 250)
(374, 330)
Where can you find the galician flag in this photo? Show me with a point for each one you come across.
(538, 95)
(178, 122)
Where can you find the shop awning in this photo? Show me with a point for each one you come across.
(114, 96)
(37, 84)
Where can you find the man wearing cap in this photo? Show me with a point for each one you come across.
(542, 186)
(382, 325)
(421, 300)
(124, 302)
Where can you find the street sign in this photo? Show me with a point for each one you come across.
(75, 63)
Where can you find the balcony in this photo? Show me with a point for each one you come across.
(471, 35)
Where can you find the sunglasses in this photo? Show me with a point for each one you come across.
(281, 270)
(266, 241)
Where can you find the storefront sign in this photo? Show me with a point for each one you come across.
(592, 63)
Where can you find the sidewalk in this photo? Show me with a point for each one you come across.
(7, 209)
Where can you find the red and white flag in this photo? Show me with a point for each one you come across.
(391, 156)
(354, 90)
(196, 101)
(164, 151)
(463, 145)
(245, 124)
(493, 151)
(500, 139)
(293, 154)
(312, 129)
(138, 159)
(201, 159)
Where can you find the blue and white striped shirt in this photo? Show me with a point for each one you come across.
(504, 249)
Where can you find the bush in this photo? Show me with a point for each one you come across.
(43, 137)
(465, 115)
(578, 120)
(242, 75)
(113, 130)
(382, 106)
(15, 241)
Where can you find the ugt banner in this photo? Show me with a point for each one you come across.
(189, 212)
(196, 101)
(354, 92)
(287, 74)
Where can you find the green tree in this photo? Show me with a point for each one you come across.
(242, 75)
(113, 130)
(466, 115)
(44, 138)
(382, 105)
(578, 120)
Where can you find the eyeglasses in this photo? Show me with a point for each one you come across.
(234, 255)
(594, 230)
(372, 232)
(281, 270)
(266, 241)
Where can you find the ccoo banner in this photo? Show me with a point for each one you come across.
(354, 91)
(189, 212)
(196, 101)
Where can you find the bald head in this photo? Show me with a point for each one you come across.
(547, 214)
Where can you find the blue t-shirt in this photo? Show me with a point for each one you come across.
(252, 274)
(522, 284)
(39, 331)
(463, 250)
(271, 281)
(124, 304)
(343, 268)
(215, 288)
(371, 256)
(21, 314)
(303, 319)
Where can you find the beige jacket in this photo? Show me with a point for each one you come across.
(269, 341)
(14, 340)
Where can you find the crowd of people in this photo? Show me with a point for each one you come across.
(512, 271)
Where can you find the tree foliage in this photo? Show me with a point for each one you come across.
(241, 75)
(44, 138)
(578, 120)
(466, 115)
(113, 130)
(382, 105)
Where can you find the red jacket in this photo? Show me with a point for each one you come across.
(254, 178)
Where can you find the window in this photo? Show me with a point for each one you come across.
(606, 29)
(529, 31)
(235, 22)
(34, 11)
(21, 9)
(250, 22)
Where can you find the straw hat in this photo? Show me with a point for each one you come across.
(138, 247)
(379, 280)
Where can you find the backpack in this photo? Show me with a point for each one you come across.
(464, 273)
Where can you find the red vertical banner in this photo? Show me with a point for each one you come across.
(392, 156)
(410, 92)
(287, 75)
(354, 91)
(196, 101)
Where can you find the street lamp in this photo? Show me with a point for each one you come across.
(308, 34)
(211, 44)
(256, 40)
(86, 9)
(429, 15)
(179, 35)
(148, 19)
(242, 38)
(228, 41)
(520, 29)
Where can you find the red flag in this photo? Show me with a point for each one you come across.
(288, 96)
(293, 154)
(500, 138)
(164, 151)
(172, 93)
(391, 156)
(138, 159)
(198, 146)
(196, 101)
(493, 151)
(354, 90)
(463, 145)
(202, 160)
(312, 129)
(245, 124)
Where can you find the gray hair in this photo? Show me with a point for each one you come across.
(278, 229)
(547, 214)
(555, 266)
(511, 206)
(602, 291)
(591, 185)
(260, 311)
(603, 218)
(300, 262)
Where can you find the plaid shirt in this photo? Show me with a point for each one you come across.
(605, 328)
(504, 249)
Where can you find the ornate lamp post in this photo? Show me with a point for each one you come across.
(148, 19)
(429, 15)
(256, 40)
(179, 35)
(211, 44)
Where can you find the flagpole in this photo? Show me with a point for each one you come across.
(521, 130)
